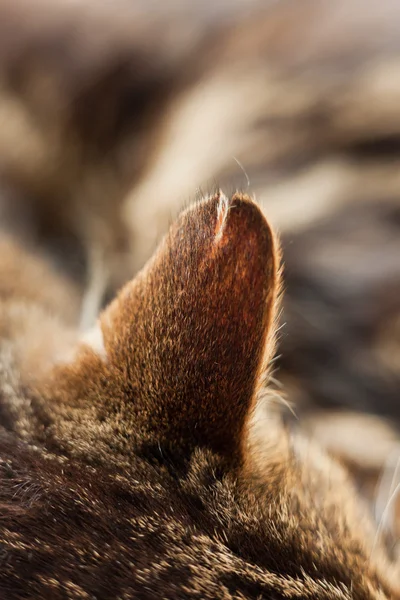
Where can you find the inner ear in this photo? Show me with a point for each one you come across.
(189, 338)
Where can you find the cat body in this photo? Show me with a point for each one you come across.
(143, 458)
(142, 463)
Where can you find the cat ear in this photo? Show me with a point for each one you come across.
(189, 338)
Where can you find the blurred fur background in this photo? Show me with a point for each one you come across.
(114, 115)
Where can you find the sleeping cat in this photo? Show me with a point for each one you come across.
(141, 461)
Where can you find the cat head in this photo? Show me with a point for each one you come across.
(175, 371)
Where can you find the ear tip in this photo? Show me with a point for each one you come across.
(232, 234)
(251, 213)
(236, 217)
(239, 219)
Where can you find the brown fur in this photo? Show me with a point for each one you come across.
(145, 470)
(109, 117)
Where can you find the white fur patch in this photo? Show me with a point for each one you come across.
(222, 213)
(94, 339)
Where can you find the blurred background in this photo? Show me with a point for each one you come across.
(114, 115)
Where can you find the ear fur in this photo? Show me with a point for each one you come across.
(190, 336)
(181, 352)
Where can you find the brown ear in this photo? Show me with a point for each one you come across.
(190, 335)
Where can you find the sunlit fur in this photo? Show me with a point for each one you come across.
(144, 470)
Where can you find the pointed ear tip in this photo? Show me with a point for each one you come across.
(237, 217)
(251, 212)
(246, 220)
